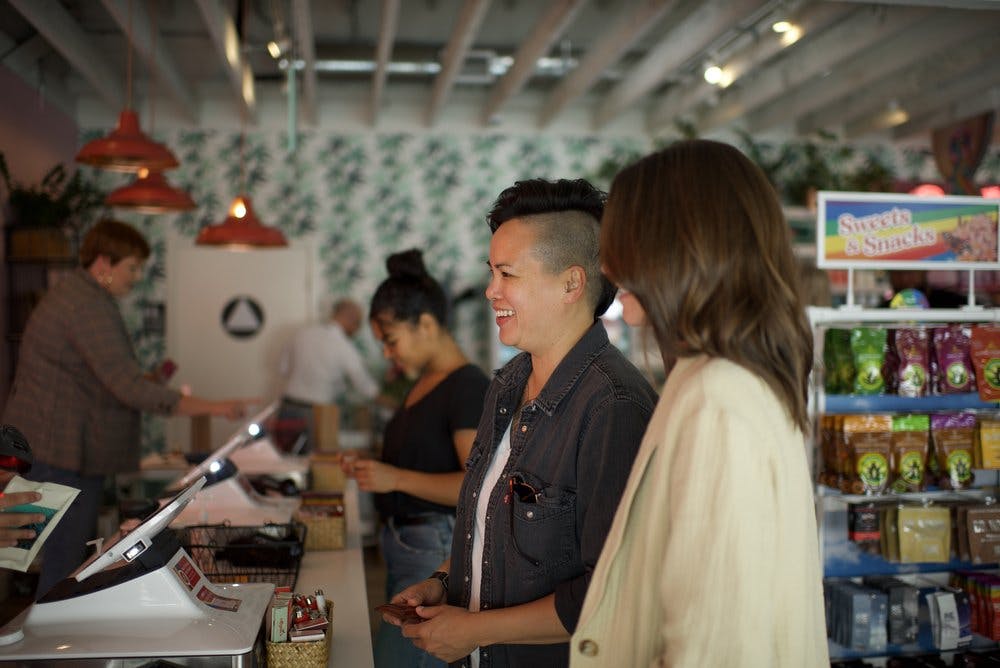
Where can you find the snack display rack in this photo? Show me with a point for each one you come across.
(844, 559)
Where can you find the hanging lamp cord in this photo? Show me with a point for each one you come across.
(128, 61)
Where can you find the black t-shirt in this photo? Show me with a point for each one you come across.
(420, 437)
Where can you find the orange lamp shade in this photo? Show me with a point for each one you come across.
(126, 149)
(150, 193)
(241, 228)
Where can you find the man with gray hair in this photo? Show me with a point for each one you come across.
(320, 364)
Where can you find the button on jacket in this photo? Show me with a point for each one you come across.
(573, 447)
(79, 389)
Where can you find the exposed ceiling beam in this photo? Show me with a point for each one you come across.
(65, 36)
(26, 61)
(619, 39)
(305, 41)
(862, 69)
(808, 59)
(144, 41)
(547, 30)
(685, 40)
(684, 97)
(861, 109)
(945, 4)
(388, 22)
(222, 31)
(952, 102)
(469, 19)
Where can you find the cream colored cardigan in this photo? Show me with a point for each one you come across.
(713, 558)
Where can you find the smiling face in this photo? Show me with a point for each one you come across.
(528, 300)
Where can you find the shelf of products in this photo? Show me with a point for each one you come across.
(907, 480)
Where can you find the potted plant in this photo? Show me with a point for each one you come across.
(46, 219)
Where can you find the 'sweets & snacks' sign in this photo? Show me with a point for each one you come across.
(866, 230)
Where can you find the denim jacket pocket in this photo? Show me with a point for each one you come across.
(543, 531)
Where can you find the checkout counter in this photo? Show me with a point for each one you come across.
(341, 576)
(339, 573)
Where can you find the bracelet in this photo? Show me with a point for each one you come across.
(442, 577)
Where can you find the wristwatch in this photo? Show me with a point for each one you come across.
(442, 577)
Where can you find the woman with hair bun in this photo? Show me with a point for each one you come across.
(425, 444)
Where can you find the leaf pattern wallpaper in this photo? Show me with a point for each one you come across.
(353, 200)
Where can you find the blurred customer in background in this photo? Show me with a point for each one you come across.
(79, 392)
(320, 364)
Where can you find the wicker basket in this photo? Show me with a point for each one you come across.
(323, 515)
(302, 654)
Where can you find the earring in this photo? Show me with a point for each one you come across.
(106, 279)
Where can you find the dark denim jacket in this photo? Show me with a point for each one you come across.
(574, 446)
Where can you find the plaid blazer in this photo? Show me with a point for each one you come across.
(79, 390)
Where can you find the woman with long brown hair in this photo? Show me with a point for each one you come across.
(713, 557)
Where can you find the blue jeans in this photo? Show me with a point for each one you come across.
(66, 547)
(411, 553)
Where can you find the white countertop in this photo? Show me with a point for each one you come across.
(341, 576)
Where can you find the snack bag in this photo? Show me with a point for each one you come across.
(924, 534)
(869, 441)
(910, 444)
(988, 446)
(55, 500)
(953, 437)
(911, 362)
(838, 376)
(986, 356)
(868, 348)
(954, 364)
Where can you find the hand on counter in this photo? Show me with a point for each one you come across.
(10, 532)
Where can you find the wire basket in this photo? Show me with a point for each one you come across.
(239, 554)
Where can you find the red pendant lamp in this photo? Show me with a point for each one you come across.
(127, 148)
(241, 228)
(150, 193)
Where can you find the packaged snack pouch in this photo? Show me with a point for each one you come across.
(868, 348)
(924, 534)
(988, 445)
(869, 441)
(911, 362)
(986, 356)
(954, 363)
(838, 376)
(953, 438)
(910, 445)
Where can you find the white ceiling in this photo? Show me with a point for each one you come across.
(892, 69)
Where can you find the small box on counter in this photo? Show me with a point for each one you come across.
(280, 614)
(323, 515)
(325, 472)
